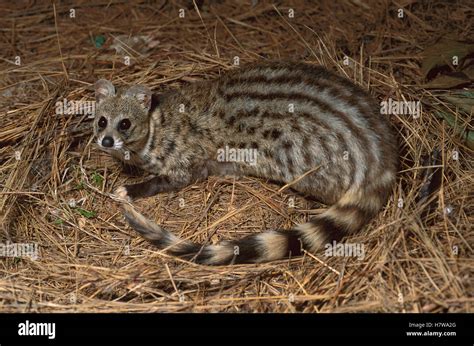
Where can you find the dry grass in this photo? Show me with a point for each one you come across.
(97, 264)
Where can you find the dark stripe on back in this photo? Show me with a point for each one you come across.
(356, 131)
(315, 77)
(343, 143)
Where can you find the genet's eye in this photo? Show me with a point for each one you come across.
(125, 124)
(102, 122)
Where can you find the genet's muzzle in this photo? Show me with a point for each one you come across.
(108, 142)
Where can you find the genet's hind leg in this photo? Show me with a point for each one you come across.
(223, 169)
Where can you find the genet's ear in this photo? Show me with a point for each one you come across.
(142, 94)
(103, 89)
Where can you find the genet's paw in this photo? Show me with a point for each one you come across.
(121, 194)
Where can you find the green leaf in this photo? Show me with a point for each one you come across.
(468, 93)
(99, 41)
(463, 103)
(97, 179)
(58, 222)
(86, 213)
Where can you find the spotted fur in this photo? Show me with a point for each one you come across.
(300, 118)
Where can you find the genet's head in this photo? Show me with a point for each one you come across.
(121, 119)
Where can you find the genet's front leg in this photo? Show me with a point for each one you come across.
(159, 184)
(154, 186)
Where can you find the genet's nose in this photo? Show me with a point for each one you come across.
(108, 142)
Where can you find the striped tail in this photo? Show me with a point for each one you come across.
(345, 217)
